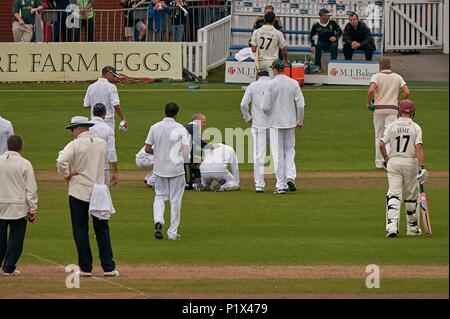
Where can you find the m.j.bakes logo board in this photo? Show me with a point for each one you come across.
(353, 73)
(240, 72)
(83, 61)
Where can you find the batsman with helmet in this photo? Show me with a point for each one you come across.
(405, 166)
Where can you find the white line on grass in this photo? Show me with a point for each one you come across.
(97, 278)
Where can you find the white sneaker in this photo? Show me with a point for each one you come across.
(113, 273)
(259, 189)
(413, 231)
(176, 237)
(392, 229)
(279, 191)
(85, 274)
(11, 274)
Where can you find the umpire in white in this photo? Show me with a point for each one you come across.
(82, 163)
(284, 104)
(18, 202)
(260, 124)
(169, 142)
(6, 130)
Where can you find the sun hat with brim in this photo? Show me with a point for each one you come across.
(79, 121)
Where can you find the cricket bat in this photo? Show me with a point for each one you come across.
(424, 211)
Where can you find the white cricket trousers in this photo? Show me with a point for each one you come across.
(282, 148)
(261, 138)
(146, 162)
(380, 122)
(402, 174)
(231, 183)
(168, 189)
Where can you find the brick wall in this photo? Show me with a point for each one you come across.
(6, 19)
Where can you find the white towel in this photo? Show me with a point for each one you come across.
(101, 205)
(244, 54)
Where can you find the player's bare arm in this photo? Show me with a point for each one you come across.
(371, 92)
(383, 151)
(284, 54)
(405, 92)
(420, 155)
(119, 112)
(114, 174)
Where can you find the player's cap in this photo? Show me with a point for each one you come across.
(406, 106)
(110, 69)
(79, 121)
(263, 73)
(324, 12)
(279, 65)
(99, 108)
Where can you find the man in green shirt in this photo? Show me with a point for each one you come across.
(23, 19)
(86, 21)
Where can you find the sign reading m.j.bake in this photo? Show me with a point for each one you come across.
(351, 72)
(84, 61)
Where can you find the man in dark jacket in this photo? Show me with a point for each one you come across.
(328, 32)
(192, 169)
(357, 36)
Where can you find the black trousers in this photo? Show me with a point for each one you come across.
(79, 213)
(74, 34)
(11, 248)
(192, 174)
(348, 51)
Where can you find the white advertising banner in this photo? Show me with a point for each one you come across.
(351, 72)
(84, 61)
(240, 72)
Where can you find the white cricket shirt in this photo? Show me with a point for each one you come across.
(403, 135)
(254, 94)
(18, 188)
(167, 138)
(386, 95)
(216, 160)
(104, 92)
(283, 102)
(6, 130)
(269, 41)
(106, 133)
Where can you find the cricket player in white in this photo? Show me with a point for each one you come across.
(145, 161)
(168, 141)
(6, 130)
(214, 167)
(385, 85)
(284, 104)
(260, 125)
(105, 132)
(103, 91)
(404, 160)
(266, 42)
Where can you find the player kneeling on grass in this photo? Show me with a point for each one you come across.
(18, 202)
(214, 168)
(404, 160)
(145, 161)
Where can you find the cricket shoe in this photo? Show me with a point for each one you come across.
(259, 190)
(113, 273)
(280, 191)
(175, 237)
(291, 185)
(392, 229)
(12, 274)
(158, 231)
(85, 274)
(413, 231)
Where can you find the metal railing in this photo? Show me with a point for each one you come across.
(111, 25)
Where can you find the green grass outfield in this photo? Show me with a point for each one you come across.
(325, 223)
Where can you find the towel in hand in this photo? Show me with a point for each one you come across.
(244, 54)
(101, 205)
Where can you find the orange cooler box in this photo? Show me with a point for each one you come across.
(296, 71)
